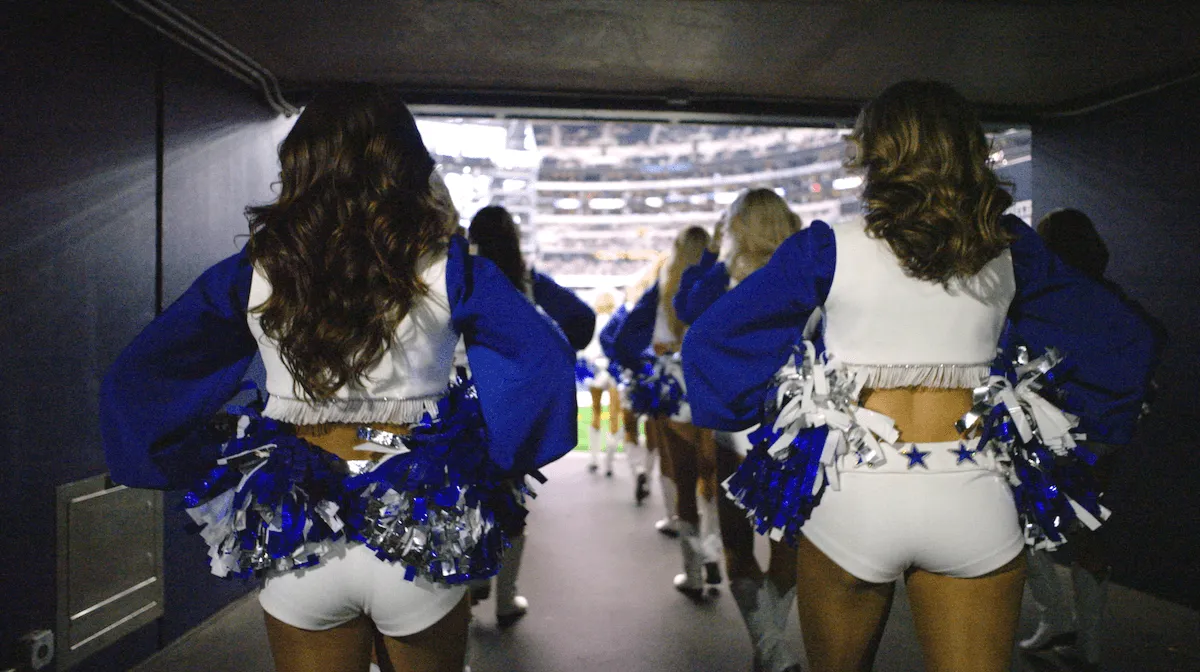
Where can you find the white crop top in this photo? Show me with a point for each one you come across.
(898, 331)
(406, 383)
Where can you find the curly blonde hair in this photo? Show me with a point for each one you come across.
(757, 222)
(930, 192)
(686, 251)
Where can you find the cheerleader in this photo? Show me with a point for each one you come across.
(494, 235)
(757, 222)
(638, 453)
(1075, 631)
(593, 374)
(641, 447)
(364, 490)
(688, 450)
(896, 452)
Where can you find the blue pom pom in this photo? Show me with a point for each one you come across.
(442, 509)
(1044, 482)
(778, 491)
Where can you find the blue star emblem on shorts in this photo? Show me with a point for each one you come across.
(915, 456)
(964, 454)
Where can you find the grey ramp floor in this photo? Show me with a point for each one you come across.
(598, 579)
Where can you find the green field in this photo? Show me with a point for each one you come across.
(585, 421)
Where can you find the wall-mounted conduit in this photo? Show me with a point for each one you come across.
(187, 32)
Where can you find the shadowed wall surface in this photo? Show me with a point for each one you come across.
(1134, 169)
(79, 183)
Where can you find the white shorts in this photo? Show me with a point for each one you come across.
(352, 582)
(955, 519)
(601, 381)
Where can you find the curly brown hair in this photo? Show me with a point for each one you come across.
(342, 245)
(497, 238)
(930, 192)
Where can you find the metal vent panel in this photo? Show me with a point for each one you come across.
(110, 574)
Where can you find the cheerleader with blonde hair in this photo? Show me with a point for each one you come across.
(657, 391)
(744, 240)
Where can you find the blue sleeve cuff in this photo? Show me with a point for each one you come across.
(736, 346)
(637, 330)
(175, 375)
(524, 371)
(1108, 348)
(576, 319)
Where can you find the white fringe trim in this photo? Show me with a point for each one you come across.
(396, 411)
(948, 376)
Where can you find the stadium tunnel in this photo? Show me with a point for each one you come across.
(134, 132)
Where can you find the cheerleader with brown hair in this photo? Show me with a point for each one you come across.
(906, 450)
(367, 488)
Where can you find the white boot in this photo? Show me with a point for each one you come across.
(595, 445)
(669, 525)
(758, 601)
(1055, 624)
(610, 452)
(1091, 597)
(710, 539)
(466, 656)
(510, 606)
(636, 455)
(691, 581)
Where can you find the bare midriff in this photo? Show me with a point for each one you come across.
(922, 414)
(341, 439)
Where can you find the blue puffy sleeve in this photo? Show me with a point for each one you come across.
(608, 333)
(523, 369)
(731, 352)
(1108, 349)
(637, 330)
(162, 390)
(700, 287)
(576, 319)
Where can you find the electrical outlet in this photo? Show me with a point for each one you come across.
(38, 649)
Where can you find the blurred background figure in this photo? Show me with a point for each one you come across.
(597, 379)
(1071, 627)
(494, 235)
(688, 449)
(744, 240)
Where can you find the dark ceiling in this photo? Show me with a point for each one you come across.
(1017, 60)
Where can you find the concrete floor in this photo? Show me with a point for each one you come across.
(598, 579)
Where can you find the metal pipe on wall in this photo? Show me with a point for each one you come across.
(187, 32)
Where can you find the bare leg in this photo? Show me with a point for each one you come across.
(346, 648)
(656, 442)
(782, 567)
(614, 412)
(705, 447)
(630, 420)
(442, 647)
(967, 624)
(681, 442)
(737, 535)
(656, 436)
(597, 406)
(841, 617)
